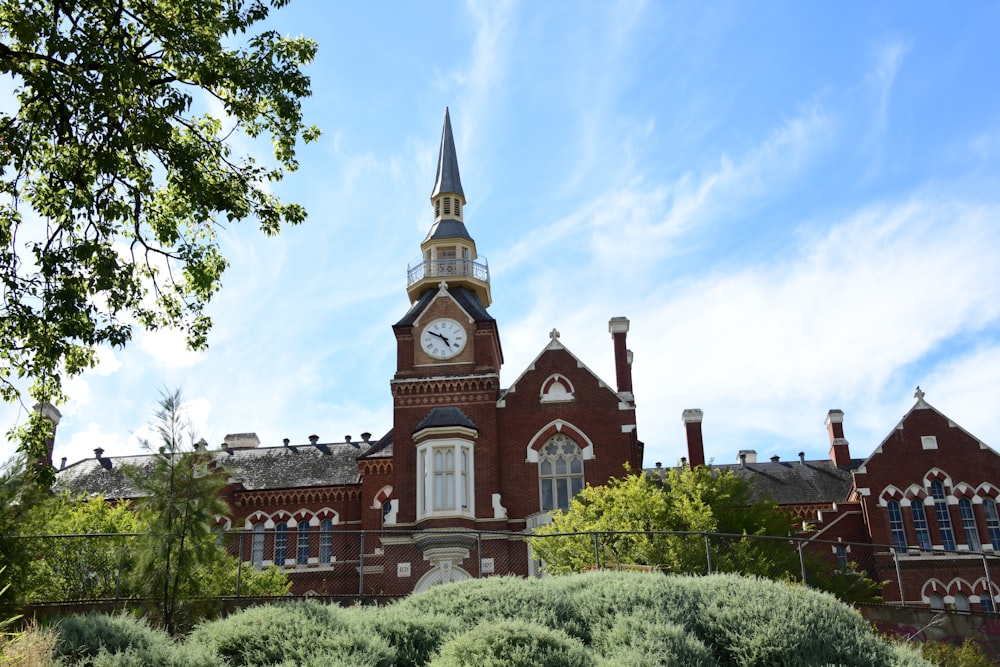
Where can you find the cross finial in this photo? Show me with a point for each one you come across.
(554, 334)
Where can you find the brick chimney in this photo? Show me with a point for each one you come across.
(696, 444)
(840, 453)
(618, 326)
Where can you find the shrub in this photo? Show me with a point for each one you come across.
(82, 637)
(643, 638)
(969, 654)
(415, 638)
(297, 633)
(32, 647)
(513, 643)
(474, 601)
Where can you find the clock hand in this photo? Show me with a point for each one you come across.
(445, 339)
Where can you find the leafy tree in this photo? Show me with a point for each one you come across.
(179, 503)
(113, 183)
(640, 520)
(18, 499)
(89, 565)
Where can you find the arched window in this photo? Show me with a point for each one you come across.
(896, 525)
(444, 479)
(936, 601)
(326, 541)
(560, 471)
(985, 603)
(920, 523)
(302, 553)
(969, 525)
(962, 602)
(280, 543)
(257, 550)
(943, 518)
(992, 522)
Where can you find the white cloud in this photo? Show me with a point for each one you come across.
(168, 348)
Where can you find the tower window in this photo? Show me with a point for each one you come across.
(447, 205)
(437, 207)
(458, 207)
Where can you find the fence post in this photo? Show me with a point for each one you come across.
(989, 581)
(361, 567)
(597, 550)
(899, 577)
(479, 548)
(708, 553)
(239, 566)
(802, 563)
(121, 564)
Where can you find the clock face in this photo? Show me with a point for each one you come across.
(443, 338)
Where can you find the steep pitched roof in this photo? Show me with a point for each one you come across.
(448, 178)
(464, 297)
(793, 483)
(447, 416)
(555, 344)
(258, 468)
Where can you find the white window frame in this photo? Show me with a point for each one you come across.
(462, 482)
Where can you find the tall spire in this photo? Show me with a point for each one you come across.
(448, 179)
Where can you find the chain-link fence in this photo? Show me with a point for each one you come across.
(373, 564)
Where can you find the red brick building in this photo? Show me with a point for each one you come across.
(920, 511)
(463, 453)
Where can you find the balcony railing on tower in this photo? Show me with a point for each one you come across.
(448, 268)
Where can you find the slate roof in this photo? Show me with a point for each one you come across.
(381, 449)
(449, 416)
(257, 468)
(448, 229)
(465, 297)
(795, 482)
(448, 179)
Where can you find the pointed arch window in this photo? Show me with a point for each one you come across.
(942, 515)
(969, 525)
(302, 552)
(896, 526)
(920, 523)
(257, 546)
(560, 472)
(992, 522)
(326, 541)
(280, 543)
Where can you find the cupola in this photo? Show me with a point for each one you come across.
(448, 253)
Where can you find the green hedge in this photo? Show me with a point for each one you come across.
(601, 618)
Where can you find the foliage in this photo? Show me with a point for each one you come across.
(416, 638)
(88, 567)
(295, 633)
(178, 504)
(606, 618)
(113, 184)
(513, 643)
(17, 500)
(641, 520)
(32, 647)
(968, 654)
(496, 599)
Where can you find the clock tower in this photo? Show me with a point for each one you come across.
(447, 381)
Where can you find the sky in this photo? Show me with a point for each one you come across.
(795, 204)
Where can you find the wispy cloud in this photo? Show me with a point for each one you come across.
(880, 80)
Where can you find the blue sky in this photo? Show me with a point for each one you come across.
(796, 205)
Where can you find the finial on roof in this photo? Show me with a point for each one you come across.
(554, 334)
(919, 395)
(448, 179)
